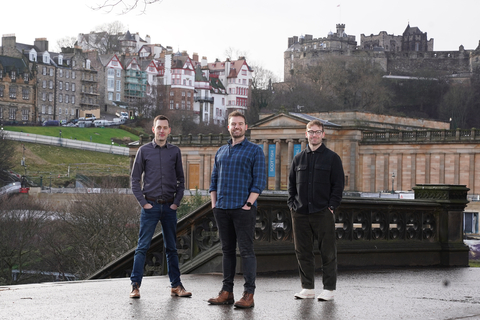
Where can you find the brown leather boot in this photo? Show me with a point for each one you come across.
(246, 301)
(135, 294)
(180, 291)
(224, 297)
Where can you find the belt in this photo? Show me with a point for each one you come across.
(160, 200)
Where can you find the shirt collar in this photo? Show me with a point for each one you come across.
(319, 149)
(154, 144)
(241, 143)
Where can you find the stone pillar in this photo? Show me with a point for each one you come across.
(290, 155)
(201, 173)
(278, 164)
(208, 170)
(452, 200)
(303, 143)
(265, 153)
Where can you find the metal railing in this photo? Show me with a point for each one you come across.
(435, 136)
(64, 142)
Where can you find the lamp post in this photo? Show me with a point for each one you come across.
(393, 181)
(60, 133)
(112, 146)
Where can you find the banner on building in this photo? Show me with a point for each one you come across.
(296, 149)
(271, 160)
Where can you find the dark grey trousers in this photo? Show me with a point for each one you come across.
(307, 228)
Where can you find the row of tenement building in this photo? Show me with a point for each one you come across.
(37, 84)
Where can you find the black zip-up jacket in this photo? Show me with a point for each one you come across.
(315, 181)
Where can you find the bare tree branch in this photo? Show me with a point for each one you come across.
(125, 6)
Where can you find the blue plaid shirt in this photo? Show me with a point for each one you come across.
(238, 171)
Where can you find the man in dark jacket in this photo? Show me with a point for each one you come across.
(315, 187)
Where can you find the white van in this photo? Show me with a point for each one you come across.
(100, 123)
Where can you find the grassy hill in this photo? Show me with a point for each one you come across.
(94, 134)
(60, 165)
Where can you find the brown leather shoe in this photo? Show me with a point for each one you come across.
(135, 294)
(246, 301)
(224, 297)
(180, 292)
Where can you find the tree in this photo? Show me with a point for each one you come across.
(6, 156)
(105, 39)
(66, 42)
(125, 6)
(21, 223)
(456, 106)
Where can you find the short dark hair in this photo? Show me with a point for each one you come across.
(236, 113)
(160, 117)
(315, 123)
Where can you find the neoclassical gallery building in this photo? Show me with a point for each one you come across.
(379, 152)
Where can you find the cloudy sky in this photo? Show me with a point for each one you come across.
(259, 28)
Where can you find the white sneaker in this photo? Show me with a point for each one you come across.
(305, 294)
(326, 295)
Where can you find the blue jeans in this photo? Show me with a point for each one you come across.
(148, 222)
(237, 225)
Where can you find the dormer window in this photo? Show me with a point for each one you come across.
(33, 55)
(60, 59)
(13, 76)
(25, 77)
(46, 57)
(88, 64)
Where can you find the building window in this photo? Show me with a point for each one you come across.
(44, 96)
(176, 106)
(12, 112)
(44, 84)
(66, 98)
(50, 84)
(73, 86)
(117, 96)
(67, 86)
(67, 74)
(60, 85)
(119, 85)
(1, 73)
(73, 99)
(25, 77)
(60, 73)
(110, 85)
(111, 73)
(119, 73)
(49, 109)
(183, 105)
(188, 105)
(171, 104)
(1, 113)
(50, 96)
(59, 110)
(25, 93)
(183, 93)
(2, 90)
(43, 109)
(172, 93)
(110, 96)
(73, 74)
(60, 97)
(51, 72)
(44, 71)
(13, 92)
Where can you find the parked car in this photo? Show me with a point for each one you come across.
(100, 123)
(50, 123)
(122, 115)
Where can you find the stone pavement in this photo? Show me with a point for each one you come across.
(422, 293)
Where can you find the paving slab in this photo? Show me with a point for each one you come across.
(437, 293)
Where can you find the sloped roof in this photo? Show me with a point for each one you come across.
(10, 63)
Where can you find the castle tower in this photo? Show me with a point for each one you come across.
(340, 29)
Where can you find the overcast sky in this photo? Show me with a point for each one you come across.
(260, 28)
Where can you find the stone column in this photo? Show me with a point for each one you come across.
(265, 153)
(303, 143)
(208, 170)
(277, 164)
(290, 154)
(201, 172)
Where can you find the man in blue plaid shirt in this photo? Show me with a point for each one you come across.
(238, 178)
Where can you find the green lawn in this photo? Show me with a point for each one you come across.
(97, 135)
